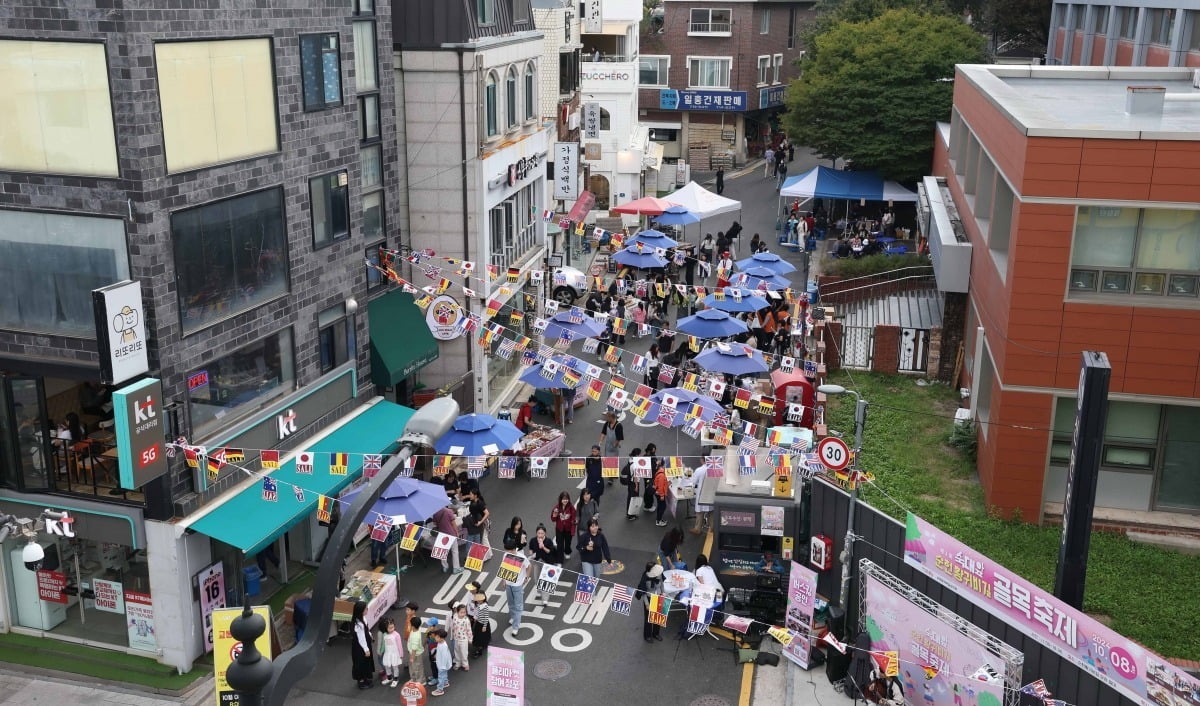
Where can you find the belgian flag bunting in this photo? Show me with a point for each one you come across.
(412, 536)
(674, 467)
(339, 463)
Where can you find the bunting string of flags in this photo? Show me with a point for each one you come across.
(700, 613)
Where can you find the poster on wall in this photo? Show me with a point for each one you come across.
(1098, 650)
(227, 648)
(211, 582)
(772, 521)
(802, 598)
(505, 677)
(109, 596)
(139, 619)
(936, 661)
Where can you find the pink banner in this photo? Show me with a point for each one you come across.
(505, 677)
(938, 664)
(802, 596)
(1112, 658)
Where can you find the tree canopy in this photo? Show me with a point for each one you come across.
(873, 90)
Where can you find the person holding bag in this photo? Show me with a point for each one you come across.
(564, 518)
(542, 549)
(648, 486)
(633, 494)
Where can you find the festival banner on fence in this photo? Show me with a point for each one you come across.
(1108, 656)
(802, 595)
(505, 677)
(936, 660)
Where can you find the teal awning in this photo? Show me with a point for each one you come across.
(248, 522)
(400, 339)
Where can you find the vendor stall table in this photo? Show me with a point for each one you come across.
(543, 441)
(380, 591)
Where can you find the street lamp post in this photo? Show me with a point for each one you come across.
(270, 685)
(860, 423)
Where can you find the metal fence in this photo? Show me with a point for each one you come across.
(858, 343)
(882, 541)
(914, 350)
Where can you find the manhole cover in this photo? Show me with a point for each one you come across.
(710, 700)
(554, 669)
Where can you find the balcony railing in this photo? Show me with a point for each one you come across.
(710, 28)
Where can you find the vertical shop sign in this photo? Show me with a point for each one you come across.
(138, 418)
(591, 121)
(108, 596)
(566, 170)
(121, 331)
(139, 617)
(211, 582)
(593, 19)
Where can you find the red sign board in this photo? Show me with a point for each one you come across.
(52, 586)
(584, 204)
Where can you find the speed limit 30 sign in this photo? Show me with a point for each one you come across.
(834, 453)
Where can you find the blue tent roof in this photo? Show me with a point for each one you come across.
(826, 183)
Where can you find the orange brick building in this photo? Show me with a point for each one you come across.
(1080, 200)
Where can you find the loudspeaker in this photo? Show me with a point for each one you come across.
(836, 621)
(837, 665)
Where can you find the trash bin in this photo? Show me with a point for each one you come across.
(252, 577)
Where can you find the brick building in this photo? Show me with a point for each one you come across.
(714, 73)
(1078, 194)
(237, 159)
(1136, 33)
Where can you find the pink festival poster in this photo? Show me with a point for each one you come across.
(937, 662)
(802, 598)
(1112, 658)
(505, 677)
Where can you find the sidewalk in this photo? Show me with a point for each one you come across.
(789, 685)
(33, 686)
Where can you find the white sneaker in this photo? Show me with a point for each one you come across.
(395, 683)
(661, 523)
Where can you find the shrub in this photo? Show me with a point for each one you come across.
(963, 438)
(873, 264)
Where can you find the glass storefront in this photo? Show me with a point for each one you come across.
(240, 382)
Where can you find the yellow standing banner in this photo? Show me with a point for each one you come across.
(226, 648)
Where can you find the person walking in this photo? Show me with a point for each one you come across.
(391, 652)
(515, 537)
(446, 522)
(515, 592)
(593, 549)
(416, 651)
(661, 486)
(611, 436)
(720, 180)
(768, 163)
(565, 521)
(781, 171)
(542, 549)
(648, 486)
(586, 510)
(362, 654)
(649, 585)
(633, 495)
(594, 469)
(568, 401)
(460, 631)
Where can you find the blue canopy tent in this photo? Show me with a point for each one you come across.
(827, 183)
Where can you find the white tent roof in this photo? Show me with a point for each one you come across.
(701, 201)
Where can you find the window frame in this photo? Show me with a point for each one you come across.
(491, 105)
(520, 14)
(333, 237)
(315, 106)
(663, 72)
(511, 96)
(1100, 17)
(1192, 27)
(1161, 21)
(359, 87)
(288, 385)
(485, 12)
(360, 12)
(728, 60)
(764, 70)
(791, 37)
(1111, 280)
(364, 137)
(706, 28)
(371, 191)
(371, 255)
(530, 91)
(764, 20)
(348, 351)
(1127, 18)
(777, 67)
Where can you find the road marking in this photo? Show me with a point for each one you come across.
(747, 684)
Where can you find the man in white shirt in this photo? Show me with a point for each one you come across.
(515, 591)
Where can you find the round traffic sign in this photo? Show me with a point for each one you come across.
(834, 453)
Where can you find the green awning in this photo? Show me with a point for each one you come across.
(248, 522)
(400, 339)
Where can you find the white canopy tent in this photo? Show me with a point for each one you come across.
(702, 202)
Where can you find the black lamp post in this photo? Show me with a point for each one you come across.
(258, 681)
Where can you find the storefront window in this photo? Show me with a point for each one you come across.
(240, 382)
(50, 263)
(335, 337)
(1180, 483)
(230, 256)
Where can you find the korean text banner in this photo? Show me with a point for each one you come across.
(936, 660)
(802, 595)
(505, 677)
(1112, 658)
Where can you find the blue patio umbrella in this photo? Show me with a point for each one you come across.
(478, 435)
(750, 301)
(711, 323)
(533, 374)
(762, 278)
(413, 499)
(736, 359)
(644, 260)
(653, 239)
(768, 260)
(677, 216)
(710, 408)
(575, 325)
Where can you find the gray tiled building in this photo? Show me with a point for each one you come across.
(237, 158)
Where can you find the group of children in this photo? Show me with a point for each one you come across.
(448, 647)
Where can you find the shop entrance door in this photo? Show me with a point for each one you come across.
(25, 433)
(598, 185)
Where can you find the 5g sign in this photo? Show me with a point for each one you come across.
(138, 421)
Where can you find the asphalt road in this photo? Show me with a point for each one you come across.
(606, 660)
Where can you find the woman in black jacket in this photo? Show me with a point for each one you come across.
(593, 549)
(649, 585)
(632, 485)
(515, 537)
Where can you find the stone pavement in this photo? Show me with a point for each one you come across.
(32, 686)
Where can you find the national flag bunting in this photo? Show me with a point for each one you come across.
(576, 465)
(673, 467)
(641, 406)
(766, 405)
(621, 600)
(270, 489)
(441, 466)
(304, 462)
(412, 536)
(508, 467)
(514, 273)
(783, 466)
(737, 622)
(339, 464)
(716, 389)
(715, 466)
(382, 528)
(192, 455)
(216, 461)
(782, 635)
(372, 463)
(548, 580)
(476, 466)
(298, 492)
(235, 455)
(659, 606)
(1036, 688)
(324, 508)
(747, 464)
(474, 560)
(539, 466)
(833, 642)
(585, 588)
(698, 618)
(269, 459)
(510, 567)
(408, 467)
(443, 544)
(742, 398)
(610, 467)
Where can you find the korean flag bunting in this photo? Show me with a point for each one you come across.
(787, 364)
(795, 412)
(548, 580)
(538, 466)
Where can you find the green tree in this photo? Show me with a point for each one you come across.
(874, 90)
(831, 12)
